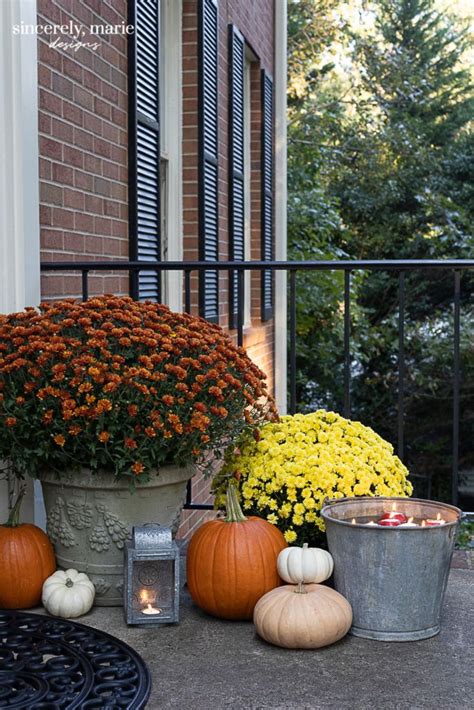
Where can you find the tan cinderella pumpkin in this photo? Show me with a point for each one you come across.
(304, 616)
(304, 564)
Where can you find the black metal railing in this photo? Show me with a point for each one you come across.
(292, 268)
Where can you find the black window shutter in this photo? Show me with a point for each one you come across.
(208, 156)
(236, 162)
(144, 144)
(267, 193)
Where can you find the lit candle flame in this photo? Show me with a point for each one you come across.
(148, 599)
(394, 507)
(438, 517)
(410, 520)
(353, 522)
(423, 523)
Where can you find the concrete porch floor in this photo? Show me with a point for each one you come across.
(207, 664)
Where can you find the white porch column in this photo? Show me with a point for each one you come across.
(280, 204)
(19, 180)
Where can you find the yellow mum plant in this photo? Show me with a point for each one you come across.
(290, 467)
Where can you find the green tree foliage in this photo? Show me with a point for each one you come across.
(381, 165)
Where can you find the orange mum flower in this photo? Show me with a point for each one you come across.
(103, 436)
(10, 421)
(138, 468)
(59, 440)
(104, 405)
(130, 443)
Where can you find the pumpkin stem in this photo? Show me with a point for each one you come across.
(14, 517)
(69, 582)
(301, 588)
(305, 546)
(234, 511)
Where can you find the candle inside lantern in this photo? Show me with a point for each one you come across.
(149, 608)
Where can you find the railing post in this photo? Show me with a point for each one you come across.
(347, 344)
(456, 385)
(85, 284)
(240, 307)
(187, 290)
(292, 341)
(401, 364)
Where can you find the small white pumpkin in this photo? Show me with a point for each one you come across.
(309, 565)
(68, 594)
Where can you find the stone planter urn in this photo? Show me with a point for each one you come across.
(89, 517)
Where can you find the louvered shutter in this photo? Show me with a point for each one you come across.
(236, 162)
(144, 144)
(267, 193)
(208, 156)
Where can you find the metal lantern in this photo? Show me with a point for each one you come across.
(151, 584)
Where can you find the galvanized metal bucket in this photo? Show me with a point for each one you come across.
(394, 578)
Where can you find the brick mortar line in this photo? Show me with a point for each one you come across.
(61, 118)
(62, 75)
(66, 186)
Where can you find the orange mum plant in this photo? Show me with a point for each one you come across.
(117, 385)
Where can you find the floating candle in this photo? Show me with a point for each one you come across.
(409, 524)
(401, 517)
(389, 522)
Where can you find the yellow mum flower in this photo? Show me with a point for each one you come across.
(303, 459)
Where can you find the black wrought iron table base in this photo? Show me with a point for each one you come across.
(55, 664)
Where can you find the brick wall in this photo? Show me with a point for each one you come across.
(255, 21)
(83, 155)
(83, 146)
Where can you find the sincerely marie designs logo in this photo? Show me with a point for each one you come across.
(73, 36)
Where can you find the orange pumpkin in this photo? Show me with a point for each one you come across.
(26, 560)
(231, 562)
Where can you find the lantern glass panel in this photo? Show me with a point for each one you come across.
(153, 587)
